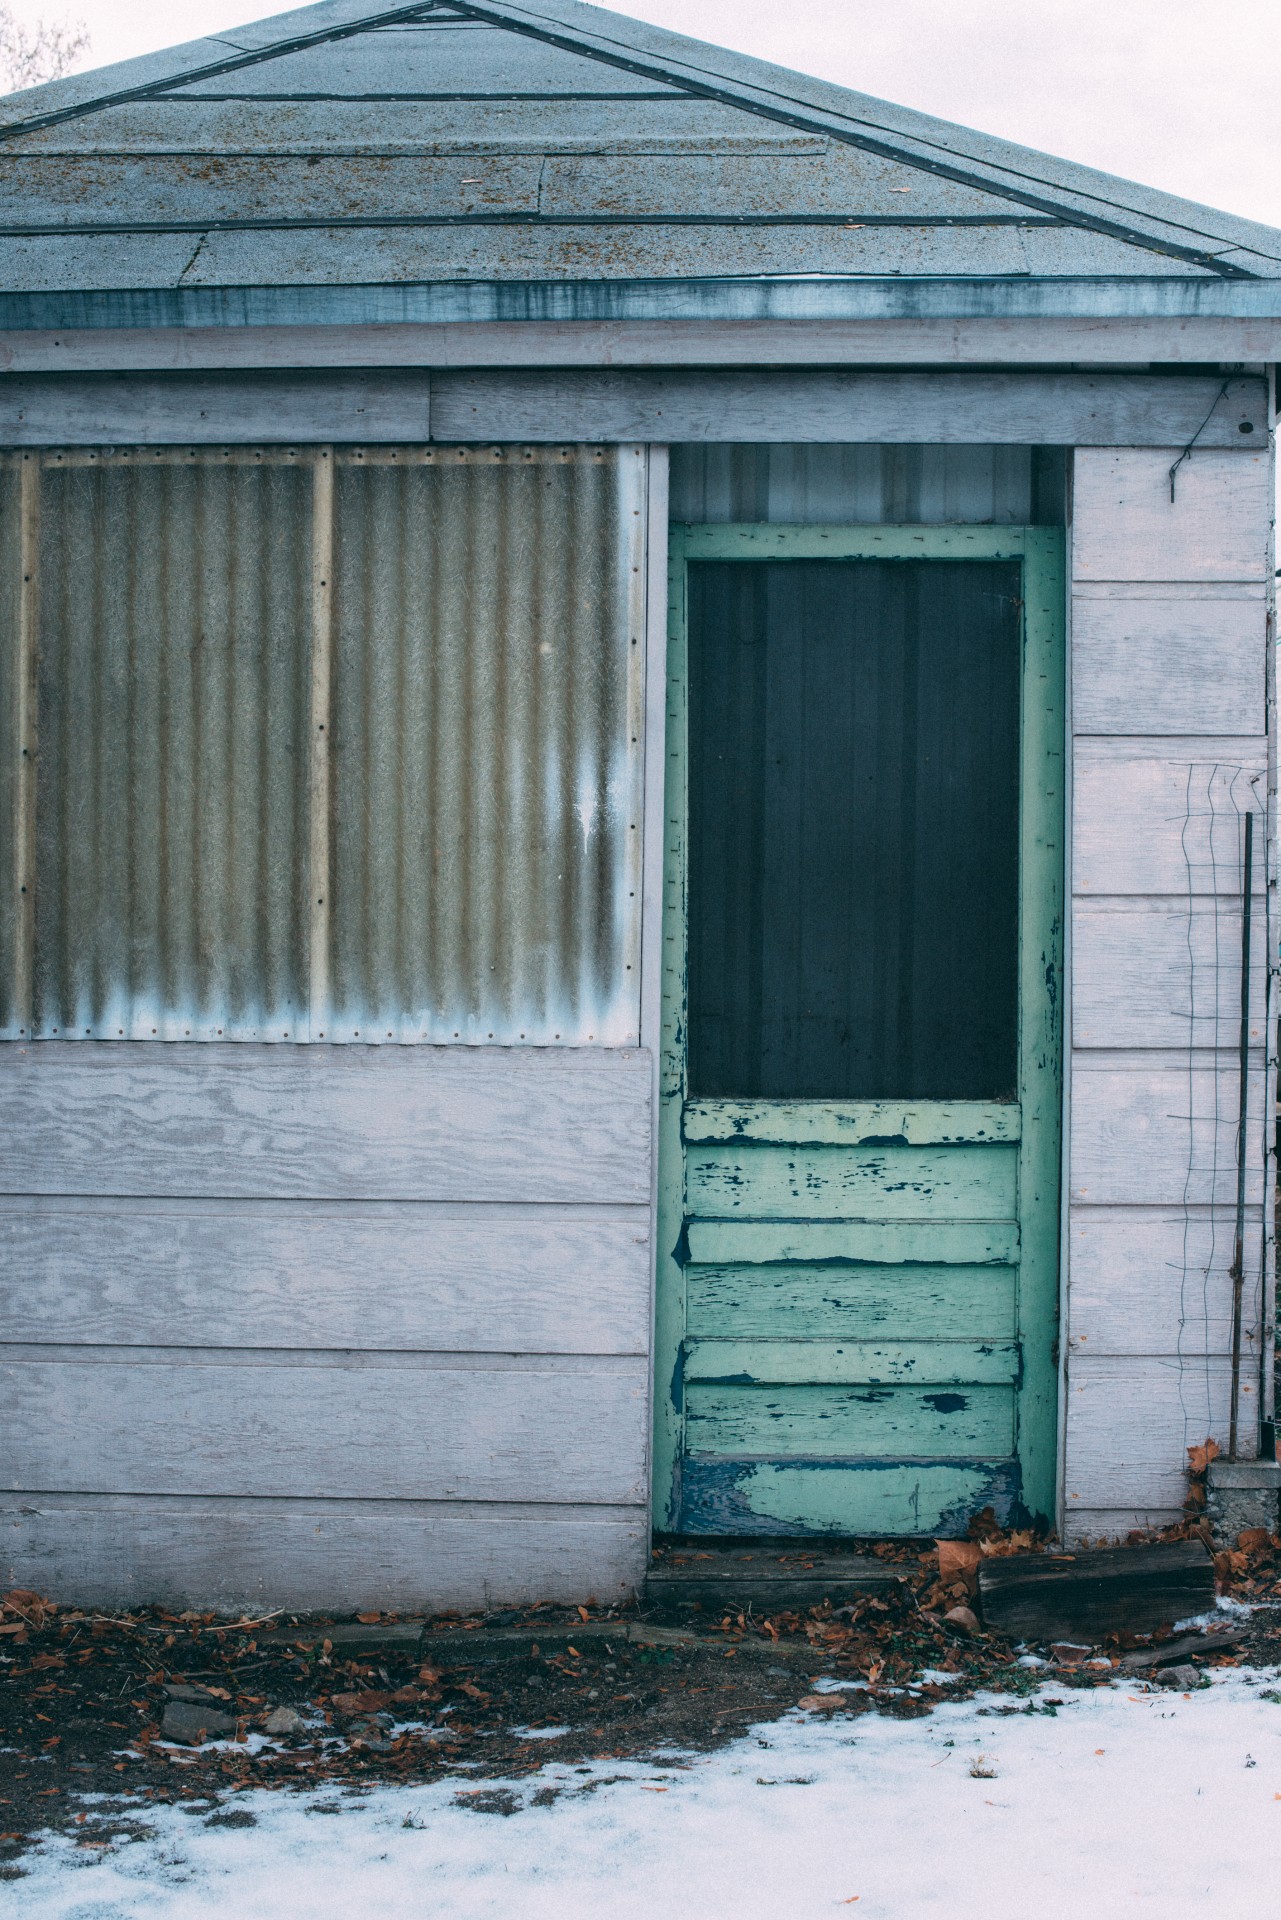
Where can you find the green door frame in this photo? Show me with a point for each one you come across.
(1041, 895)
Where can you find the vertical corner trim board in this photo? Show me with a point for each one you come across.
(1171, 601)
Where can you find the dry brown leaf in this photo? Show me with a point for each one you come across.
(361, 1702)
(958, 1559)
(1199, 1458)
(1254, 1540)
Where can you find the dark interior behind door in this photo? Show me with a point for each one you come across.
(853, 829)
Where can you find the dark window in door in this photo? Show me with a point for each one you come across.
(853, 829)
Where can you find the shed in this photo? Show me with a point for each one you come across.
(633, 688)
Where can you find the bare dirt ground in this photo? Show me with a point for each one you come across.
(83, 1696)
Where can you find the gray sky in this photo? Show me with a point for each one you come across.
(1178, 93)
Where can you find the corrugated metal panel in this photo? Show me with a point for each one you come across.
(473, 659)
(487, 764)
(808, 485)
(171, 792)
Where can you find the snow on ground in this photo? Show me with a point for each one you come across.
(1118, 1802)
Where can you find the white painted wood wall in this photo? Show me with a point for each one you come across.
(372, 1327)
(1170, 659)
(342, 1327)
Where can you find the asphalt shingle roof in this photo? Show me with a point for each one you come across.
(344, 146)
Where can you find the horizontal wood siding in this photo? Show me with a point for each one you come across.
(383, 1276)
(388, 1283)
(418, 1123)
(1168, 659)
(1170, 603)
(325, 1554)
(626, 404)
(1037, 410)
(336, 1425)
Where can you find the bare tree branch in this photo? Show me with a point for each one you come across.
(45, 51)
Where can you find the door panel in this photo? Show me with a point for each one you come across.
(840, 1183)
(860, 1087)
(869, 1302)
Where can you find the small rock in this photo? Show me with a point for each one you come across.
(189, 1724)
(1182, 1678)
(284, 1720)
(372, 1735)
(964, 1619)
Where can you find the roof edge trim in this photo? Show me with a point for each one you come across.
(604, 302)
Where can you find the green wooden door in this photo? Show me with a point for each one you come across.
(861, 1056)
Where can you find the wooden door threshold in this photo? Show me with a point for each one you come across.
(731, 1575)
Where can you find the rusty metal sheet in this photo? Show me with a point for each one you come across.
(171, 795)
(460, 861)
(487, 745)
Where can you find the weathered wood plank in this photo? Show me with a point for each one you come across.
(107, 1424)
(1168, 663)
(765, 1579)
(1047, 409)
(1084, 1596)
(1156, 1281)
(832, 1422)
(1128, 1424)
(1113, 1526)
(423, 1123)
(851, 1302)
(311, 1555)
(831, 1362)
(849, 1122)
(744, 1496)
(399, 1276)
(243, 409)
(565, 343)
(877, 1243)
(1126, 527)
(1161, 973)
(1163, 816)
(1160, 1132)
(871, 1183)
(615, 405)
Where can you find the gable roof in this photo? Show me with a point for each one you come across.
(548, 144)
